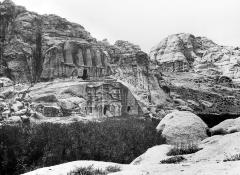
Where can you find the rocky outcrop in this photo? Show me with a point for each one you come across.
(201, 75)
(226, 127)
(185, 52)
(70, 98)
(66, 50)
(65, 46)
(202, 94)
(75, 59)
(182, 127)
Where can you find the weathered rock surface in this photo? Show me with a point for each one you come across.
(197, 69)
(182, 127)
(185, 52)
(67, 50)
(66, 46)
(226, 127)
(214, 149)
(66, 168)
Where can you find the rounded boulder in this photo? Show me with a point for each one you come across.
(182, 127)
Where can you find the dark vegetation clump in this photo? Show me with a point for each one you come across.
(113, 169)
(118, 140)
(175, 159)
(87, 171)
(235, 157)
(183, 149)
(91, 171)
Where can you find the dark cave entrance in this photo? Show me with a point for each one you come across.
(105, 109)
(85, 74)
(214, 119)
(128, 109)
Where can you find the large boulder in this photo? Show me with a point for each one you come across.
(182, 127)
(226, 127)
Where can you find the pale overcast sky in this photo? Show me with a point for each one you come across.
(147, 22)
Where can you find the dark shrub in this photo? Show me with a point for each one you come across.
(117, 140)
(175, 159)
(235, 157)
(112, 169)
(87, 171)
(183, 149)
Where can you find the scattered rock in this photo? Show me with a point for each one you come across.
(192, 102)
(179, 102)
(14, 120)
(184, 108)
(21, 112)
(17, 105)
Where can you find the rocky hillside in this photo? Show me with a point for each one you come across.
(202, 76)
(26, 33)
(185, 52)
(47, 47)
(43, 47)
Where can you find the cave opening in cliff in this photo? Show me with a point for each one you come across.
(105, 109)
(128, 109)
(85, 74)
(214, 119)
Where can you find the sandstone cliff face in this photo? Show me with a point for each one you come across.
(185, 52)
(65, 46)
(67, 50)
(201, 75)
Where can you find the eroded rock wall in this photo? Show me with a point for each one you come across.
(60, 43)
(185, 52)
(72, 58)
